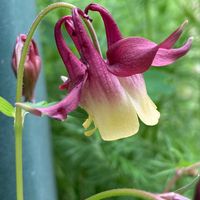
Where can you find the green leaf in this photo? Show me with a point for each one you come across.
(6, 108)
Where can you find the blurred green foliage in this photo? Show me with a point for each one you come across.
(85, 166)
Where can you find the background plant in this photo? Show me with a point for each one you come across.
(85, 166)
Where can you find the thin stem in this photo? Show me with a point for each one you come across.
(19, 167)
(125, 192)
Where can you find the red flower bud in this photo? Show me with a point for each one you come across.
(32, 66)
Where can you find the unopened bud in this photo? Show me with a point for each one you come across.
(32, 66)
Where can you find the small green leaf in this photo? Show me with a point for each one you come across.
(6, 108)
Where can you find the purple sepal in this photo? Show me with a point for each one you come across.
(131, 56)
(112, 31)
(59, 110)
(75, 67)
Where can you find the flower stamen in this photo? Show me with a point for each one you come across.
(86, 124)
(90, 132)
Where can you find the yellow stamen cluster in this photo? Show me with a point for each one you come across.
(86, 125)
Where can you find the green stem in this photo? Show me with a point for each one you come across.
(18, 115)
(18, 157)
(125, 192)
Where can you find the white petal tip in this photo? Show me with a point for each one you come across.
(151, 120)
(64, 78)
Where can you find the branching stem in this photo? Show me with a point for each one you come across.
(190, 170)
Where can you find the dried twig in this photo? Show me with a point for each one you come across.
(190, 170)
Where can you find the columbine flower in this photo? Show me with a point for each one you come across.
(112, 91)
(31, 67)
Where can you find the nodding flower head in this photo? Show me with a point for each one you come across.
(32, 66)
(111, 90)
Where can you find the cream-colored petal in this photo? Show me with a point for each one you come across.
(109, 106)
(144, 106)
(146, 109)
(115, 120)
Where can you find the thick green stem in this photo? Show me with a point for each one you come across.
(20, 73)
(125, 192)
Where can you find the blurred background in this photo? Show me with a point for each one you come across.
(87, 165)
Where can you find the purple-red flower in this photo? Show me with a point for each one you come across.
(32, 66)
(111, 90)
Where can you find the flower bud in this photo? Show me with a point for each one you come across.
(32, 66)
